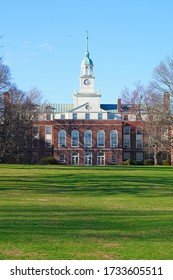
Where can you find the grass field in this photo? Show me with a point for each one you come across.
(58, 212)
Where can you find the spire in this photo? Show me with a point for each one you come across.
(87, 60)
(87, 42)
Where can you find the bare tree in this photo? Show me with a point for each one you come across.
(16, 125)
(163, 76)
(4, 77)
(152, 109)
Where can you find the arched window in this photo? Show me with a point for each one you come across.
(100, 138)
(75, 138)
(87, 138)
(62, 138)
(114, 139)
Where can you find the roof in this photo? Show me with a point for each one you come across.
(108, 107)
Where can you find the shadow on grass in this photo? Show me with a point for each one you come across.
(94, 185)
(59, 222)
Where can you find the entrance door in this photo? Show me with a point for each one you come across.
(100, 159)
(75, 159)
(88, 158)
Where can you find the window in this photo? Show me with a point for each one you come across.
(62, 116)
(126, 136)
(61, 158)
(100, 138)
(139, 131)
(87, 138)
(114, 139)
(62, 138)
(48, 143)
(139, 138)
(88, 158)
(87, 116)
(164, 131)
(75, 138)
(139, 156)
(164, 156)
(74, 116)
(48, 117)
(100, 116)
(35, 141)
(114, 158)
(126, 155)
(126, 141)
(35, 131)
(126, 129)
(48, 129)
(139, 143)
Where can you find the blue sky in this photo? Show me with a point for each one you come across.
(44, 43)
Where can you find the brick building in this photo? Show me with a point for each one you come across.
(87, 132)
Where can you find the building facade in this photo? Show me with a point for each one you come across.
(88, 132)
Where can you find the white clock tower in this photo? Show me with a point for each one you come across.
(86, 76)
(87, 93)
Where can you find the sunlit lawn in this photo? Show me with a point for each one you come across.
(58, 212)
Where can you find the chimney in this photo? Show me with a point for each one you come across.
(119, 105)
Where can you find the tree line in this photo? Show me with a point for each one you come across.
(17, 111)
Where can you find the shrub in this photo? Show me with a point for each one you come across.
(165, 162)
(48, 160)
(148, 162)
(128, 162)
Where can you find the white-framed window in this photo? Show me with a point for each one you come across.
(126, 136)
(88, 158)
(74, 116)
(48, 130)
(62, 116)
(114, 139)
(100, 116)
(139, 138)
(100, 138)
(62, 138)
(87, 138)
(75, 138)
(61, 158)
(75, 158)
(139, 131)
(87, 116)
(126, 129)
(126, 141)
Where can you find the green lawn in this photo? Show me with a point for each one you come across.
(58, 212)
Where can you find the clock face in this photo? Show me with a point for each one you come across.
(86, 82)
